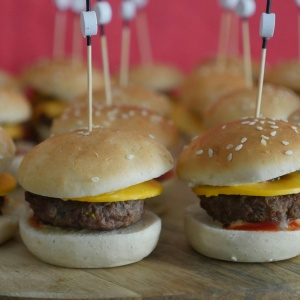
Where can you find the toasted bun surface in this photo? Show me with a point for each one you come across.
(127, 118)
(7, 150)
(137, 96)
(158, 77)
(78, 164)
(210, 239)
(14, 107)
(201, 88)
(285, 73)
(240, 152)
(62, 78)
(278, 103)
(91, 249)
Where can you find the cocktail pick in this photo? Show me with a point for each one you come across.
(224, 36)
(267, 27)
(128, 11)
(77, 6)
(104, 14)
(60, 27)
(143, 34)
(245, 9)
(88, 21)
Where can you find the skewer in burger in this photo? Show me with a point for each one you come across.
(246, 176)
(87, 192)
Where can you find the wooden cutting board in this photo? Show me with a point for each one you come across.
(173, 271)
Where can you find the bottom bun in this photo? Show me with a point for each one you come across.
(88, 248)
(210, 239)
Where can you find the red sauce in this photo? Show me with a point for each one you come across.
(35, 223)
(267, 226)
(165, 176)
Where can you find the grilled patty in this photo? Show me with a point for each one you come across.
(230, 208)
(85, 215)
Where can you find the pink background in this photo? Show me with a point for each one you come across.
(182, 32)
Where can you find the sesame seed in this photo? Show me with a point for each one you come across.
(210, 152)
(239, 147)
(155, 118)
(264, 137)
(95, 179)
(288, 152)
(151, 136)
(243, 140)
(294, 127)
(262, 122)
(84, 133)
(144, 113)
(130, 156)
(259, 128)
(273, 133)
(245, 122)
(263, 142)
(199, 152)
(233, 258)
(229, 158)
(274, 126)
(131, 113)
(229, 146)
(224, 126)
(195, 137)
(271, 122)
(252, 123)
(285, 143)
(96, 126)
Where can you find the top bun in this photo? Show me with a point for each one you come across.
(7, 150)
(79, 163)
(240, 152)
(135, 95)
(61, 78)
(157, 77)
(9, 81)
(129, 118)
(201, 88)
(278, 103)
(14, 107)
(285, 73)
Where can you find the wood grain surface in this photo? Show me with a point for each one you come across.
(173, 271)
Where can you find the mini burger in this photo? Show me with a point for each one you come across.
(127, 118)
(246, 175)
(279, 103)
(86, 191)
(8, 218)
(52, 84)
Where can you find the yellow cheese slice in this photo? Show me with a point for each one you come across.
(51, 109)
(15, 131)
(140, 191)
(288, 184)
(7, 183)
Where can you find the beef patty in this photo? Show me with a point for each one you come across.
(253, 209)
(85, 215)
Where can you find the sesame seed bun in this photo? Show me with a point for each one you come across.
(210, 239)
(14, 107)
(157, 77)
(240, 152)
(91, 248)
(277, 102)
(7, 150)
(201, 88)
(127, 118)
(137, 96)
(285, 73)
(86, 164)
(65, 79)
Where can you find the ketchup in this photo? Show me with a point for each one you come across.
(165, 176)
(265, 226)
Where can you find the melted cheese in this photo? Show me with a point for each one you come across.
(15, 131)
(288, 184)
(140, 191)
(7, 183)
(51, 109)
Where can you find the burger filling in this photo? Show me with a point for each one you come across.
(85, 215)
(228, 209)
